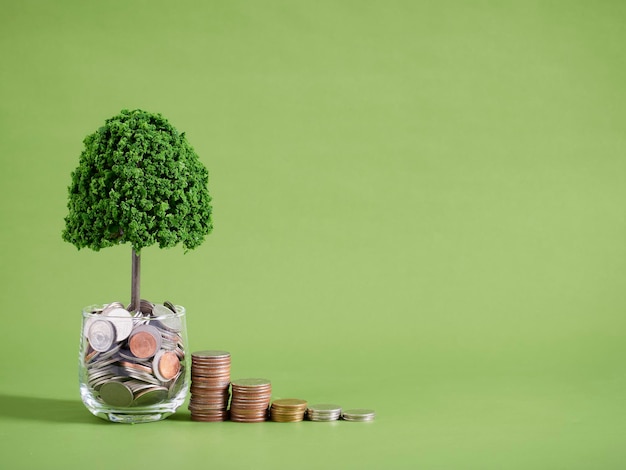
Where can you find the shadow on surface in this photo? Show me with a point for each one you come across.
(181, 415)
(52, 410)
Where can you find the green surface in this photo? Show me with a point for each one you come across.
(418, 208)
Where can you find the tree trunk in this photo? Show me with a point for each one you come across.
(134, 286)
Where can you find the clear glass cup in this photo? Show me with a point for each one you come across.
(133, 368)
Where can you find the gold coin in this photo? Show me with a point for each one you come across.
(289, 403)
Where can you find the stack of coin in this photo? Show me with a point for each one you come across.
(288, 410)
(358, 415)
(210, 382)
(133, 360)
(251, 398)
(323, 412)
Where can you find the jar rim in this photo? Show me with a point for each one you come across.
(88, 312)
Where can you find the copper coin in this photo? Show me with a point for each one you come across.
(211, 353)
(197, 360)
(90, 354)
(251, 393)
(208, 413)
(210, 388)
(203, 407)
(143, 345)
(206, 400)
(168, 365)
(250, 399)
(218, 392)
(247, 413)
(208, 374)
(209, 419)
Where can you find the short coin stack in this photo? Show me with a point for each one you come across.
(251, 398)
(210, 381)
(323, 412)
(288, 410)
(358, 415)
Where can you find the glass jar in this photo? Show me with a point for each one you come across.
(133, 367)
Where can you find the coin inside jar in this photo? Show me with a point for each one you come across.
(166, 365)
(145, 341)
(116, 394)
(122, 319)
(101, 335)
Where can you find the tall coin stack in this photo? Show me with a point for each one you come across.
(288, 410)
(210, 381)
(251, 398)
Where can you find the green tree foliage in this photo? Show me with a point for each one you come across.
(139, 182)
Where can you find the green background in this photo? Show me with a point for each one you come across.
(418, 208)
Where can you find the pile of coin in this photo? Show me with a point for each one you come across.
(358, 415)
(250, 401)
(210, 383)
(287, 410)
(323, 412)
(133, 360)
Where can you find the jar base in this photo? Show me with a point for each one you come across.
(135, 419)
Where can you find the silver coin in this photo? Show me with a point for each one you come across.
(97, 383)
(172, 323)
(177, 384)
(137, 386)
(129, 356)
(323, 416)
(101, 335)
(110, 353)
(87, 324)
(167, 344)
(325, 419)
(160, 310)
(324, 408)
(112, 306)
(141, 376)
(123, 321)
(102, 363)
(96, 374)
(359, 414)
(140, 319)
(169, 320)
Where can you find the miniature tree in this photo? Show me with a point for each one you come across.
(138, 181)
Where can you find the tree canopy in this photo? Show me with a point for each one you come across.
(138, 181)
